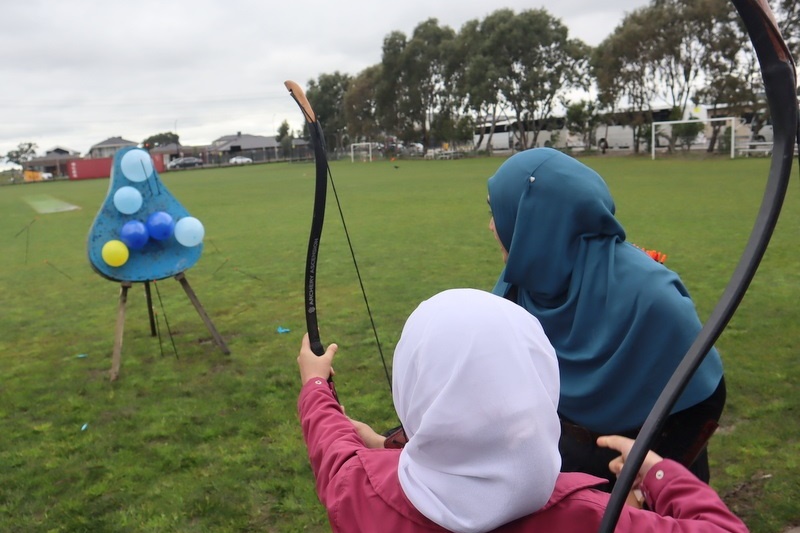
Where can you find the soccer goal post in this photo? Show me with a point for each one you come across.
(364, 151)
(695, 135)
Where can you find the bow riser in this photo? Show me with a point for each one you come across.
(315, 237)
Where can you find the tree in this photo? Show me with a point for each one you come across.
(284, 137)
(731, 80)
(624, 73)
(359, 102)
(475, 78)
(538, 64)
(788, 14)
(161, 139)
(582, 119)
(24, 152)
(414, 87)
(391, 87)
(326, 96)
(687, 132)
(429, 51)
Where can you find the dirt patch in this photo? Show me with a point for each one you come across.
(742, 499)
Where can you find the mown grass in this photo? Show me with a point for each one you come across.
(199, 441)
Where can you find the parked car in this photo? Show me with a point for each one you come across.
(415, 149)
(185, 162)
(240, 160)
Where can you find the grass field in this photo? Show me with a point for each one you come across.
(191, 440)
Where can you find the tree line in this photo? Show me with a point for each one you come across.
(437, 85)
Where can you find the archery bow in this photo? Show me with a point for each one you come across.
(318, 217)
(323, 174)
(778, 71)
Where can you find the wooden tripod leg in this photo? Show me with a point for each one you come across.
(116, 357)
(149, 298)
(202, 312)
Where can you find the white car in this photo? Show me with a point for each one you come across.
(415, 148)
(240, 160)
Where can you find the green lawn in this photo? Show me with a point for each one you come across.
(199, 441)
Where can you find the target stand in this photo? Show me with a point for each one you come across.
(116, 356)
(142, 233)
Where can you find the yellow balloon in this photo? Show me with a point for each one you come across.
(115, 253)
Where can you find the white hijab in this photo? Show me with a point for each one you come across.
(476, 388)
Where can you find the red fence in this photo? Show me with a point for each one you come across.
(84, 169)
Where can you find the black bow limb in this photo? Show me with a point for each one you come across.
(317, 220)
(778, 71)
(323, 175)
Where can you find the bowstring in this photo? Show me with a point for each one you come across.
(358, 275)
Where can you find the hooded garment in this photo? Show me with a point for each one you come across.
(475, 384)
(620, 322)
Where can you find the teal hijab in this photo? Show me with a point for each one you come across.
(620, 322)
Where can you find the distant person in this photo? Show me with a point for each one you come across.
(476, 386)
(620, 322)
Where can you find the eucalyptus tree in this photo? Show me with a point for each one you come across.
(624, 74)
(284, 137)
(788, 15)
(582, 119)
(679, 54)
(475, 66)
(24, 152)
(732, 79)
(360, 108)
(161, 139)
(326, 95)
(676, 51)
(392, 86)
(428, 89)
(537, 62)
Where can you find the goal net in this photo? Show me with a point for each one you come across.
(694, 136)
(361, 151)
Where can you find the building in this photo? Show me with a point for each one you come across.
(53, 163)
(109, 147)
(259, 148)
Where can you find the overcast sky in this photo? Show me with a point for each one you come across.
(74, 73)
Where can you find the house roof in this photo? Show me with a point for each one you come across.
(54, 157)
(51, 159)
(60, 150)
(113, 142)
(170, 148)
(243, 141)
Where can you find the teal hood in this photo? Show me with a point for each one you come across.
(620, 322)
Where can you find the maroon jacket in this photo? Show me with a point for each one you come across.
(360, 489)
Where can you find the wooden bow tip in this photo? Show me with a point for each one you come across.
(300, 97)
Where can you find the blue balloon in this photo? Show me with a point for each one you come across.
(134, 234)
(160, 225)
(189, 231)
(127, 200)
(136, 165)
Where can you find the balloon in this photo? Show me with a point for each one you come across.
(189, 231)
(134, 234)
(136, 165)
(127, 200)
(115, 253)
(160, 225)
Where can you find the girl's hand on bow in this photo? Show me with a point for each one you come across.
(314, 366)
(370, 437)
(623, 445)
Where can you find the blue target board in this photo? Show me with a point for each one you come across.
(142, 232)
